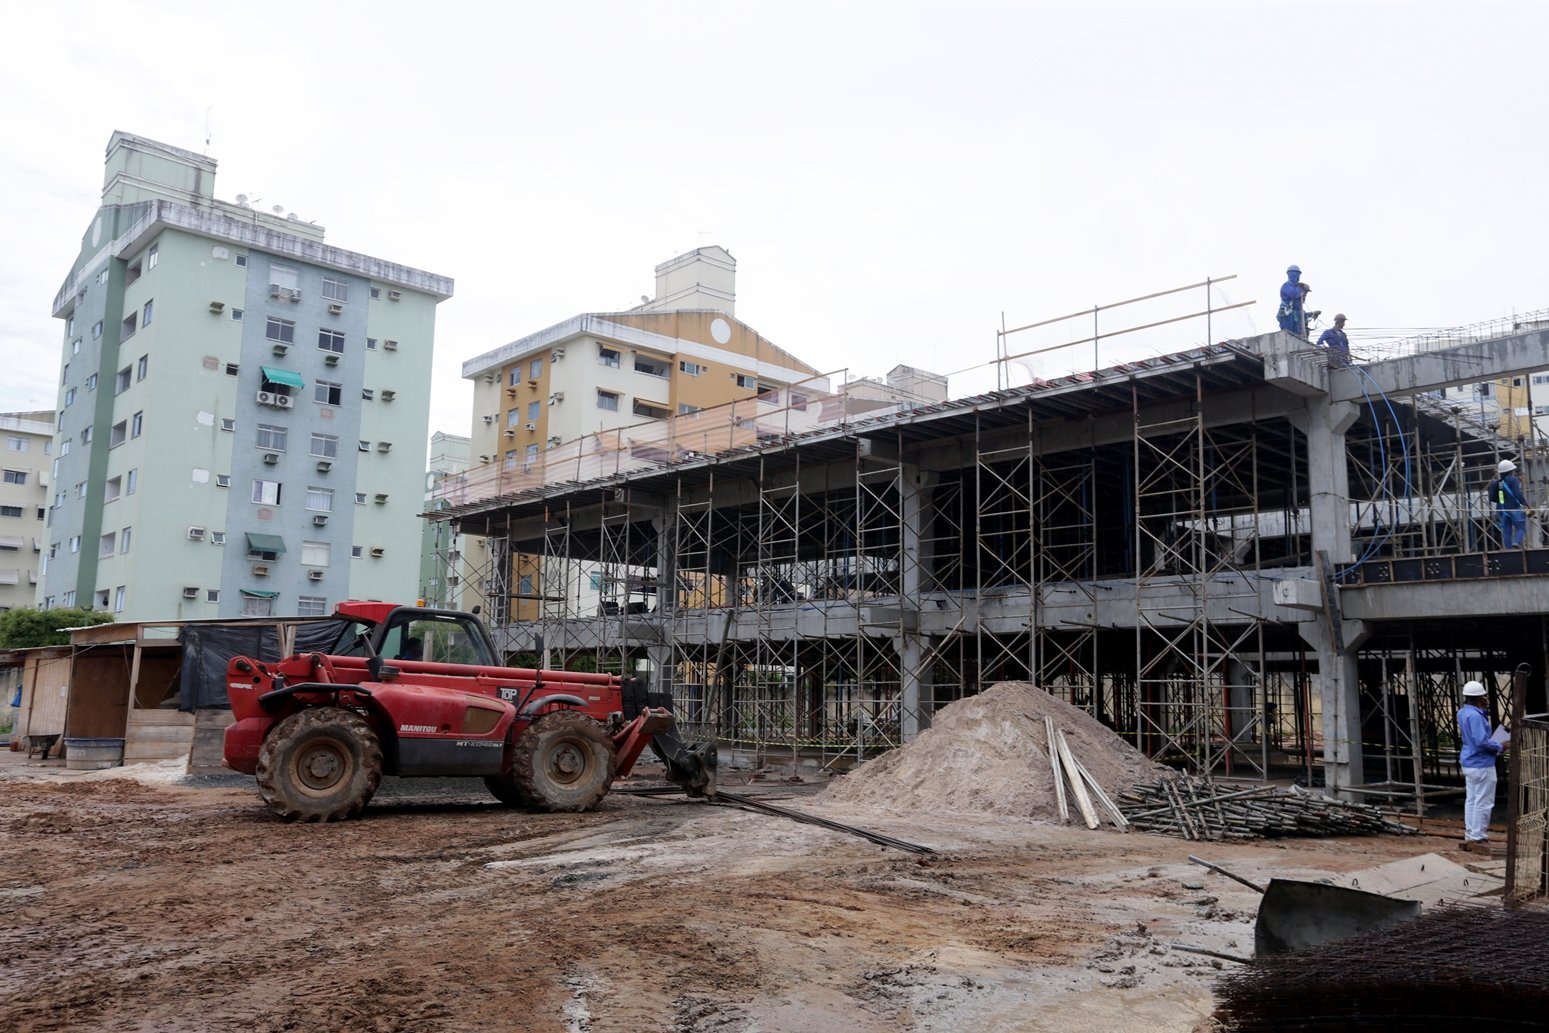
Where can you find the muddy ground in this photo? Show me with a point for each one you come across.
(184, 906)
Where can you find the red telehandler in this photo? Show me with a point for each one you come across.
(406, 690)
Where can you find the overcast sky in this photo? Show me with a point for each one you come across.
(893, 178)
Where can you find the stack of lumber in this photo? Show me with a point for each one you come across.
(1197, 808)
(1084, 789)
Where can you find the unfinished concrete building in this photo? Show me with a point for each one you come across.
(1240, 559)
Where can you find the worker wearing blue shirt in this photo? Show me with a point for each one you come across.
(1291, 294)
(1476, 756)
(1336, 342)
(1511, 508)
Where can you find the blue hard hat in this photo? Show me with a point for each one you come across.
(1294, 269)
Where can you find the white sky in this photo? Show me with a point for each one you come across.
(891, 177)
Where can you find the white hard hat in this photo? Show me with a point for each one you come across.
(1473, 688)
(1505, 466)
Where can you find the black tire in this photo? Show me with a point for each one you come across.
(319, 764)
(563, 762)
(506, 790)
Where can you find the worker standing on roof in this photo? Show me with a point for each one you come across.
(1336, 342)
(1511, 508)
(1477, 751)
(1291, 294)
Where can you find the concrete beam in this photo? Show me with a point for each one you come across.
(1484, 597)
(1431, 371)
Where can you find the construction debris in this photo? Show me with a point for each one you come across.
(1196, 808)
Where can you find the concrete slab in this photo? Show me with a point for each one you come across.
(1428, 878)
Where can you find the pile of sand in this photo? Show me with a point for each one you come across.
(988, 754)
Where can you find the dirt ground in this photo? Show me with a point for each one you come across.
(136, 901)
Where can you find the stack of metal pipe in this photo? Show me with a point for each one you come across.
(1197, 808)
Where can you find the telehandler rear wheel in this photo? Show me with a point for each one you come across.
(319, 764)
(563, 762)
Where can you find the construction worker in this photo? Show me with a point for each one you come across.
(1291, 294)
(1336, 342)
(1511, 508)
(1476, 756)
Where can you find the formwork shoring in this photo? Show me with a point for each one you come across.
(822, 607)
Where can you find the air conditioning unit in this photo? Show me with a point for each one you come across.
(453, 579)
(260, 570)
(266, 397)
(557, 353)
(270, 458)
(335, 308)
(217, 307)
(330, 359)
(320, 519)
(378, 552)
(274, 290)
(555, 441)
(314, 575)
(394, 295)
(280, 348)
(196, 534)
(190, 591)
(324, 465)
(295, 296)
(556, 397)
(390, 346)
(510, 432)
(284, 401)
(490, 378)
(384, 446)
(489, 419)
(381, 497)
(388, 394)
(532, 426)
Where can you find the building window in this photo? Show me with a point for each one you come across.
(356, 551)
(257, 605)
(145, 313)
(319, 500)
(122, 381)
(743, 380)
(236, 314)
(232, 369)
(15, 444)
(649, 411)
(128, 326)
(142, 367)
(335, 289)
(692, 369)
(107, 545)
(327, 392)
(362, 446)
(241, 260)
(132, 274)
(112, 489)
(284, 277)
(91, 382)
(311, 606)
(360, 498)
(223, 480)
(151, 256)
(652, 367)
(11, 511)
(330, 341)
(132, 481)
(513, 417)
(228, 425)
(123, 540)
(69, 396)
(281, 330)
(607, 400)
(75, 541)
(534, 408)
(212, 595)
(16, 477)
(119, 435)
(271, 438)
(136, 424)
(217, 537)
(376, 293)
(96, 331)
(684, 408)
(315, 554)
(595, 581)
(535, 369)
(118, 599)
(266, 493)
(371, 344)
(368, 394)
(68, 599)
(607, 357)
(325, 446)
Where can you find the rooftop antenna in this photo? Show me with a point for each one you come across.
(207, 128)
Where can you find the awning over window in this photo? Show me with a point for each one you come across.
(11, 542)
(265, 542)
(256, 594)
(283, 376)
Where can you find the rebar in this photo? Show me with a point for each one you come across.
(1196, 808)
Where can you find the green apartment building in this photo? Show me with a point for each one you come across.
(242, 408)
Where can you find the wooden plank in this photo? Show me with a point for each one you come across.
(1114, 814)
(1054, 762)
(160, 733)
(155, 751)
(160, 719)
(1068, 762)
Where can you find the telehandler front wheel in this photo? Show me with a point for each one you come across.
(563, 762)
(319, 764)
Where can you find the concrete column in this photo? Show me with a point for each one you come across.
(1339, 691)
(1323, 425)
(910, 645)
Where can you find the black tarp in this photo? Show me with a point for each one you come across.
(208, 648)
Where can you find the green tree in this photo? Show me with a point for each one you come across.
(22, 629)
